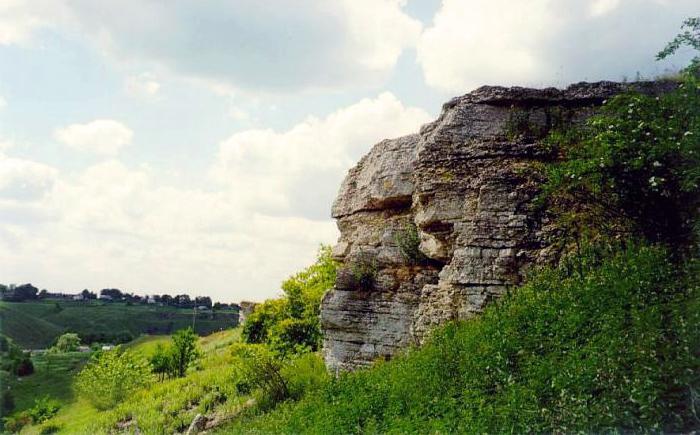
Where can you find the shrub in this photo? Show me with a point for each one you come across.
(364, 270)
(635, 168)
(110, 377)
(44, 408)
(291, 324)
(295, 336)
(258, 370)
(408, 241)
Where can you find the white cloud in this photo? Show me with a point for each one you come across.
(101, 136)
(115, 225)
(546, 42)
(144, 84)
(254, 45)
(19, 19)
(24, 180)
(299, 171)
(3, 103)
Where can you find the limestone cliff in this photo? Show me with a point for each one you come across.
(464, 185)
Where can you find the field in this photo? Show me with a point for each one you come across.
(35, 325)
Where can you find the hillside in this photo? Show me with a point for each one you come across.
(35, 325)
(206, 388)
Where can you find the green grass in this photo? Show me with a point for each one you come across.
(162, 407)
(35, 325)
(612, 350)
(53, 376)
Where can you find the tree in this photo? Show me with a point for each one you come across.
(184, 350)
(19, 293)
(114, 293)
(87, 294)
(203, 301)
(183, 301)
(291, 324)
(67, 342)
(690, 37)
(162, 361)
(110, 377)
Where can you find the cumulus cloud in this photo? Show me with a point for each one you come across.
(254, 45)
(101, 136)
(546, 42)
(24, 180)
(260, 219)
(3, 103)
(298, 171)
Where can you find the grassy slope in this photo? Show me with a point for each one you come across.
(53, 376)
(163, 407)
(36, 324)
(616, 349)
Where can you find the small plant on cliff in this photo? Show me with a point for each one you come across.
(408, 241)
(364, 270)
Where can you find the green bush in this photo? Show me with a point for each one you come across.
(364, 269)
(259, 371)
(291, 324)
(408, 241)
(110, 377)
(44, 408)
(612, 349)
(634, 168)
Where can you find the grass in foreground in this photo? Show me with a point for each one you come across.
(613, 349)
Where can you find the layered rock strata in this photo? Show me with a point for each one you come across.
(462, 191)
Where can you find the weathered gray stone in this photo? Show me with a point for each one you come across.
(467, 182)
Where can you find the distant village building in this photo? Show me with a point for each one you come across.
(151, 300)
(105, 297)
(78, 297)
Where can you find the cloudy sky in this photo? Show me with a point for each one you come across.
(197, 145)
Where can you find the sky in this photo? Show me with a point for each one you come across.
(197, 145)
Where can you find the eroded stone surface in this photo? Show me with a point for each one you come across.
(467, 182)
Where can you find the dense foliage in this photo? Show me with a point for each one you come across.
(110, 377)
(614, 348)
(44, 408)
(291, 324)
(635, 167)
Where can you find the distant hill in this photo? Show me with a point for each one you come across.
(36, 324)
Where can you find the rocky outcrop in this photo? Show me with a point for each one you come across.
(461, 191)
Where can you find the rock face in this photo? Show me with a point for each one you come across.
(460, 192)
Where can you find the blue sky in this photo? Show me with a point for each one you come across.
(197, 145)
